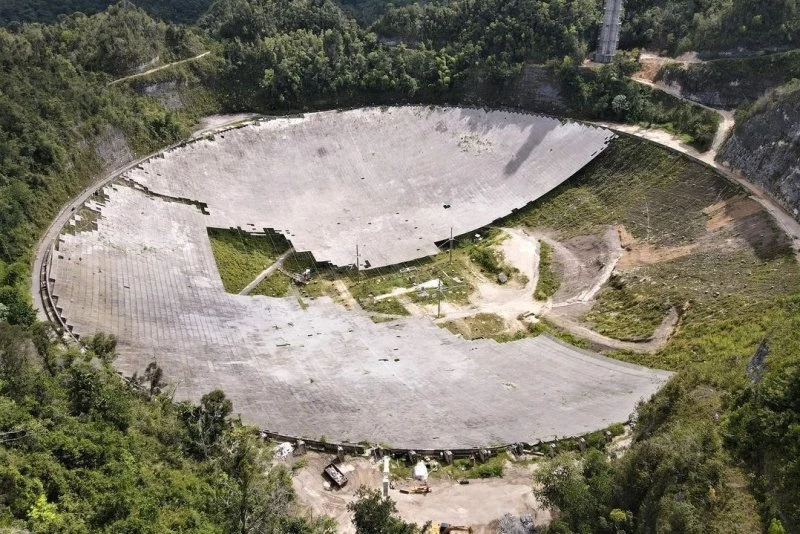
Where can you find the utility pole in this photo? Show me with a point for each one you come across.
(439, 292)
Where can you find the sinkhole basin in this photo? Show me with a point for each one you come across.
(391, 182)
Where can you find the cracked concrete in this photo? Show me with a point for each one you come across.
(147, 275)
(391, 181)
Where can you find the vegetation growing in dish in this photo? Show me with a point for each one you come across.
(657, 194)
(549, 281)
(241, 256)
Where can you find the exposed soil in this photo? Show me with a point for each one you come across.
(652, 63)
(345, 297)
(638, 253)
(727, 212)
(508, 301)
(210, 123)
(477, 504)
(584, 264)
(479, 326)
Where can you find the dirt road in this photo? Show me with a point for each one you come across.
(156, 69)
(521, 250)
(560, 318)
(266, 272)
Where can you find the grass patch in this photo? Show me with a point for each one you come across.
(549, 281)
(399, 469)
(625, 314)
(378, 319)
(275, 285)
(241, 256)
(390, 306)
(708, 283)
(455, 279)
(658, 195)
(299, 464)
(543, 326)
(278, 284)
(480, 326)
(735, 299)
(462, 468)
(489, 260)
(298, 262)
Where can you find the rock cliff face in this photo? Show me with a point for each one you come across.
(112, 148)
(765, 146)
(168, 92)
(732, 82)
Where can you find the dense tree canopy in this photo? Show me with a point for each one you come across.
(679, 26)
(48, 11)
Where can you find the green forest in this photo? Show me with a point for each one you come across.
(85, 451)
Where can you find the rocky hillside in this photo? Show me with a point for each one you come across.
(732, 82)
(765, 145)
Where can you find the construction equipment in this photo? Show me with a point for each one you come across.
(417, 490)
(336, 475)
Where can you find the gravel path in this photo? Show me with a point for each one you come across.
(558, 317)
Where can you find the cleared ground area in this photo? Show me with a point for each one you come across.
(140, 266)
(391, 181)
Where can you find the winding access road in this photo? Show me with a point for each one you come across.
(161, 67)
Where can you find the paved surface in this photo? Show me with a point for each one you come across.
(391, 182)
(147, 275)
